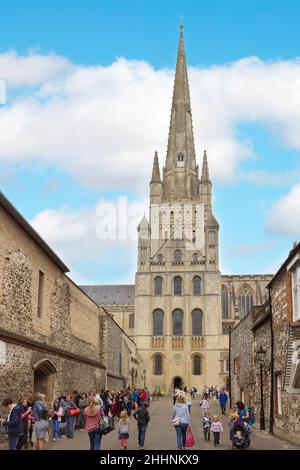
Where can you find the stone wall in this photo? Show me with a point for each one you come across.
(286, 425)
(242, 379)
(69, 321)
(262, 337)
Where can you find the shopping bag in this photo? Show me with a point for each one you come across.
(190, 440)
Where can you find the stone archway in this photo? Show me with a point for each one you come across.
(44, 379)
(178, 382)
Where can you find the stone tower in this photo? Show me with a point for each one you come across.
(178, 324)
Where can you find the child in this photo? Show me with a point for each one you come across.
(216, 428)
(123, 430)
(238, 439)
(204, 405)
(206, 425)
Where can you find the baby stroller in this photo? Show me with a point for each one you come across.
(240, 435)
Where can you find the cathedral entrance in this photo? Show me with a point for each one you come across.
(177, 382)
(44, 378)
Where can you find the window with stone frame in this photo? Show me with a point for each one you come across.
(197, 365)
(158, 283)
(197, 285)
(296, 292)
(278, 394)
(197, 316)
(158, 364)
(158, 321)
(131, 320)
(236, 366)
(178, 322)
(225, 300)
(177, 256)
(177, 285)
(160, 258)
(40, 301)
(245, 302)
(195, 258)
(225, 329)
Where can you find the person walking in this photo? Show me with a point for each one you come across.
(217, 428)
(92, 415)
(181, 420)
(123, 429)
(223, 398)
(188, 398)
(142, 417)
(206, 426)
(13, 422)
(204, 405)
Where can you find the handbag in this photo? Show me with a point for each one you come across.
(190, 440)
(106, 424)
(176, 422)
(73, 411)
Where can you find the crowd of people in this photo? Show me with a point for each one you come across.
(240, 420)
(31, 422)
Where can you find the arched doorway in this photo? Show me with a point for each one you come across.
(44, 379)
(177, 383)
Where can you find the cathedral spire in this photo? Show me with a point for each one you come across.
(205, 173)
(180, 172)
(155, 170)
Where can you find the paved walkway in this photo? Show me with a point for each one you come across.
(161, 433)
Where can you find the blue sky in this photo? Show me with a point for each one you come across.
(94, 62)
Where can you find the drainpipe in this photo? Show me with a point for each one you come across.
(272, 366)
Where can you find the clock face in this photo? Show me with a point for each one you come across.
(177, 358)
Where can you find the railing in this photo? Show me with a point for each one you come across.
(158, 342)
(197, 342)
(177, 342)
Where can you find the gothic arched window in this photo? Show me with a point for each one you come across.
(196, 285)
(158, 282)
(177, 285)
(178, 322)
(197, 316)
(158, 362)
(225, 299)
(195, 257)
(197, 365)
(180, 157)
(245, 302)
(160, 258)
(158, 320)
(177, 256)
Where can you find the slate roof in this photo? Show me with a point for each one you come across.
(110, 295)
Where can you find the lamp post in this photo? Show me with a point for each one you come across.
(144, 374)
(261, 353)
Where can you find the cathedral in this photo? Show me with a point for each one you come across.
(181, 308)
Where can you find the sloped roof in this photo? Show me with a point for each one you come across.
(109, 295)
(12, 211)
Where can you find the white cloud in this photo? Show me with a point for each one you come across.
(102, 124)
(73, 235)
(246, 249)
(32, 69)
(284, 216)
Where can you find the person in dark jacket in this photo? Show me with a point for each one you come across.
(142, 417)
(13, 422)
(223, 398)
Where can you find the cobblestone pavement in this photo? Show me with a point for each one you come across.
(161, 433)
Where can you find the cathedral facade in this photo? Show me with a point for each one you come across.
(181, 308)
